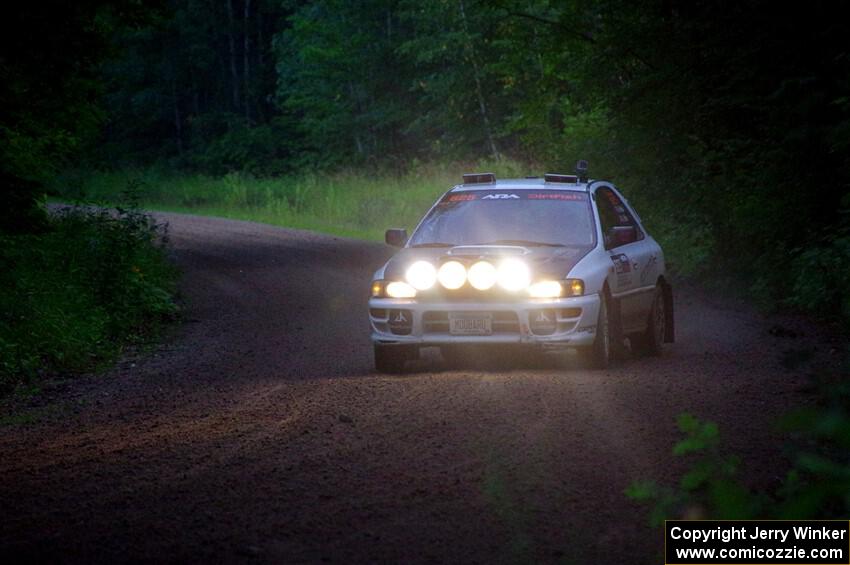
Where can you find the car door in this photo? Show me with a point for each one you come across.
(631, 254)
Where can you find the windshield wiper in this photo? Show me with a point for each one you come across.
(434, 244)
(523, 242)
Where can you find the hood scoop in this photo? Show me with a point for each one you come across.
(487, 250)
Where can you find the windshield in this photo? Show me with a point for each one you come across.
(519, 217)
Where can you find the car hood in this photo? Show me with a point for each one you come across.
(544, 262)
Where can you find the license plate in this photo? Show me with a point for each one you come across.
(470, 324)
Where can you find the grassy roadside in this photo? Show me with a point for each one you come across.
(79, 291)
(354, 204)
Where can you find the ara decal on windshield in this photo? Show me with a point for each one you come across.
(512, 196)
(480, 195)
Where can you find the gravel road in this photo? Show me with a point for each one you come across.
(259, 432)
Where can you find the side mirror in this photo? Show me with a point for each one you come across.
(396, 237)
(620, 235)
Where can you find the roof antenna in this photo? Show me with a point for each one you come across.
(581, 170)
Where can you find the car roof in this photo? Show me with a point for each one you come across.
(523, 184)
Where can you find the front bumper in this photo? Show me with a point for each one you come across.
(571, 322)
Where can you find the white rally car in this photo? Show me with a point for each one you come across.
(553, 263)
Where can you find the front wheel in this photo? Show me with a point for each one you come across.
(392, 358)
(598, 356)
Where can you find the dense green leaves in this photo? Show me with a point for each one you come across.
(816, 487)
(72, 295)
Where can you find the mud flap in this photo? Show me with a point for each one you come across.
(618, 345)
(669, 328)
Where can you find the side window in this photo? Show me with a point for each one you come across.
(613, 213)
(607, 215)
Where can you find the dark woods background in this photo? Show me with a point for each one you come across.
(727, 123)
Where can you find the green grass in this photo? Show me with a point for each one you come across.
(353, 204)
(75, 294)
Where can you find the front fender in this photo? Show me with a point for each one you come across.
(594, 269)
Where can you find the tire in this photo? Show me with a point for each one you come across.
(392, 358)
(598, 355)
(650, 343)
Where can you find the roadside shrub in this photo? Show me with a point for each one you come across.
(709, 488)
(816, 487)
(821, 276)
(73, 295)
(224, 142)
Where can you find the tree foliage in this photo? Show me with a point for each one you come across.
(49, 91)
(816, 486)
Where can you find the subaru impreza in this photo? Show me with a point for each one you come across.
(549, 264)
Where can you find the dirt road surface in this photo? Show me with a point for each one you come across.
(259, 431)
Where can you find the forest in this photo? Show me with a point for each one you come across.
(727, 124)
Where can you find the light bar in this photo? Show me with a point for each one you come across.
(452, 275)
(421, 275)
(479, 178)
(482, 275)
(555, 177)
(513, 274)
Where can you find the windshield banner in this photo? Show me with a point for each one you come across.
(508, 195)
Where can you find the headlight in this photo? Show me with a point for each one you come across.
(482, 275)
(513, 275)
(421, 275)
(452, 275)
(398, 289)
(392, 289)
(556, 289)
(546, 289)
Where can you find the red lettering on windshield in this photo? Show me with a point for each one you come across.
(555, 196)
(460, 197)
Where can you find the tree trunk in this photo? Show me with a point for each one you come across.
(196, 97)
(261, 74)
(178, 121)
(234, 75)
(260, 45)
(358, 142)
(482, 105)
(246, 66)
